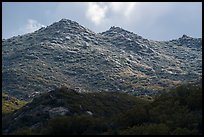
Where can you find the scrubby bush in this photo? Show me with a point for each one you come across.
(135, 116)
(147, 129)
(23, 131)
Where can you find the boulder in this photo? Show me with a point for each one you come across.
(58, 111)
(89, 112)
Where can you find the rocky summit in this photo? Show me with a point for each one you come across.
(66, 53)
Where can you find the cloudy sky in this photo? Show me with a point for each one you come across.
(156, 21)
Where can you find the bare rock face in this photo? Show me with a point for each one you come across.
(89, 112)
(58, 111)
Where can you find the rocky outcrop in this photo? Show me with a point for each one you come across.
(58, 111)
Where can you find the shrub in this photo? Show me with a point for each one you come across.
(23, 131)
(132, 117)
(76, 125)
(184, 131)
(147, 129)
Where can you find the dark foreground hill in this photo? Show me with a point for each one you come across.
(66, 111)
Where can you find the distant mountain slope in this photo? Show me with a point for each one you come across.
(66, 53)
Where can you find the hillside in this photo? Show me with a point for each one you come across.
(69, 102)
(68, 54)
(66, 111)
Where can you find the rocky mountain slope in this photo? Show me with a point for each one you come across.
(66, 53)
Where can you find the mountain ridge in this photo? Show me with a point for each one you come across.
(68, 22)
(66, 53)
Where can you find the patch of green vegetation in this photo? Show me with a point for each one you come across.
(10, 104)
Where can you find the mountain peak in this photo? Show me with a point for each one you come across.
(66, 22)
(117, 29)
(114, 27)
(68, 26)
(185, 36)
(63, 20)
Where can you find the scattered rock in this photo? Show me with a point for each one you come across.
(89, 112)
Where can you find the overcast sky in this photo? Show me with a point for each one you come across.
(156, 21)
